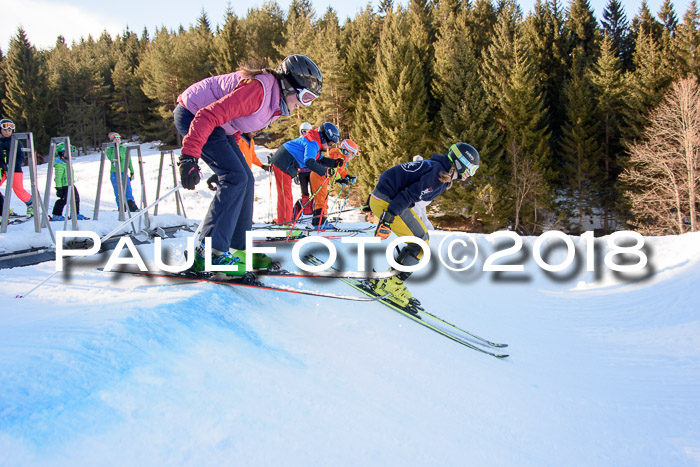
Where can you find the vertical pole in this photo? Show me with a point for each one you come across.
(160, 177)
(178, 200)
(100, 177)
(8, 187)
(144, 201)
(49, 184)
(33, 180)
(71, 187)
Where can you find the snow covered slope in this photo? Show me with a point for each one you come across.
(99, 368)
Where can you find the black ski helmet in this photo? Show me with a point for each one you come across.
(329, 133)
(464, 157)
(301, 73)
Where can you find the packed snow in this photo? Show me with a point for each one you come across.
(102, 368)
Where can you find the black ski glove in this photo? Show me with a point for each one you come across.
(342, 181)
(339, 162)
(352, 178)
(213, 182)
(189, 172)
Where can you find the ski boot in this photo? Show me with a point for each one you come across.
(398, 293)
(30, 210)
(262, 261)
(57, 218)
(220, 259)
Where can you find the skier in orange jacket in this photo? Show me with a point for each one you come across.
(347, 151)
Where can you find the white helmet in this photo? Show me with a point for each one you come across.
(417, 158)
(304, 127)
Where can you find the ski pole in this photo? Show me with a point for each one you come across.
(333, 205)
(345, 200)
(291, 228)
(269, 200)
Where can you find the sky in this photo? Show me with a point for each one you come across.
(45, 20)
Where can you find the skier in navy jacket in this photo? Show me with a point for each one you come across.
(397, 191)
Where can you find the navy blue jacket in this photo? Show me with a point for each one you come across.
(410, 182)
(5, 154)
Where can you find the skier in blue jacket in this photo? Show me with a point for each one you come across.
(397, 191)
(300, 153)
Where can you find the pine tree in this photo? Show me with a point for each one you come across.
(423, 37)
(616, 26)
(300, 38)
(581, 150)
(668, 17)
(132, 110)
(27, 92)
(465, 116)
(298, 32)
(392, 126)
(482, 21)
(527, 138)
(499, 57)
(548, 42)
(688, 41)
(511, 83)
(646, 86)
(263, 29)
(606, 78)
(360, 62)
(331, 106)
(583, 29)
(645, 23)
(229, 45)
(161, 81)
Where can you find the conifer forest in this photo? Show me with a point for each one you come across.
(575, 117)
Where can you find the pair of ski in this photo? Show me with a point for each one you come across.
(251, 280)
(359, 281)
(417, 313)
(14, 219)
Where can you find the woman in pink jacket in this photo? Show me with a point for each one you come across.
(211, 114)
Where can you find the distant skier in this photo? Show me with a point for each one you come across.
(299, 153)
(397, 191)
(7, 127)
(60, 177)
(210, 111)
(126, 177)
(319, 185)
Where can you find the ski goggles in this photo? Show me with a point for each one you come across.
(7, 126)
(462, 164)
(117, 136)
(306, 97)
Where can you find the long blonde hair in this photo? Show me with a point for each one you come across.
(446, 177)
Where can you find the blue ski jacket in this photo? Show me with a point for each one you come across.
(307, 154)
(405, 184)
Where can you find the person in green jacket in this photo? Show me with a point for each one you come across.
(60, 177)
(109, 152)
